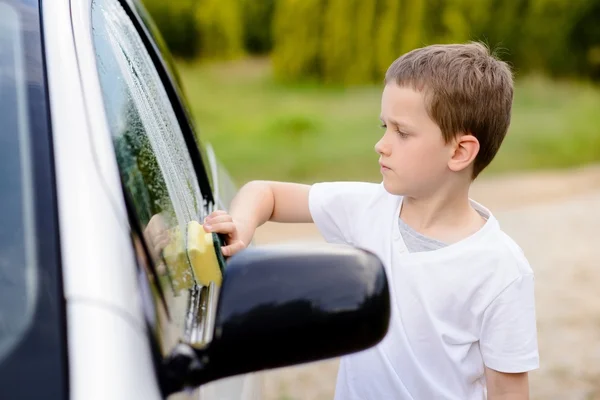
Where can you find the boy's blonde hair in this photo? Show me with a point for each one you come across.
(467, 90)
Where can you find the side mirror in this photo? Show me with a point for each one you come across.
(280, 306)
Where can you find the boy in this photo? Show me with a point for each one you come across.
(463, 314)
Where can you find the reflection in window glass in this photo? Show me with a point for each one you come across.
(18, 273)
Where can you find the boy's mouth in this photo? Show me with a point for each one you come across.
(383, 166)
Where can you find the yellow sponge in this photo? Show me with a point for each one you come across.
(202, 255)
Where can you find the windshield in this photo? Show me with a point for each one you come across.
(18, 275)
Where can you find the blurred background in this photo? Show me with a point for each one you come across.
(297, 82)
(290, 90)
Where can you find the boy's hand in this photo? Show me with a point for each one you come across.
(238, 234)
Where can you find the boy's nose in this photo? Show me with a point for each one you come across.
(381, 147)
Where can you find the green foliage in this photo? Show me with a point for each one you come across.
(585, 42)
(220, 26)
(177, 23)
(354, 41)
(343, 41)
(337, 44)
(412, 19)
(361, 38)
(297, 28)
(257, 17)
(361, 67)
(553, 23)
(386, 35)
(207, 28)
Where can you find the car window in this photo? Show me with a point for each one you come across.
(18, 272)
(154, 163)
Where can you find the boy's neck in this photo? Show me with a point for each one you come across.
(445, 215)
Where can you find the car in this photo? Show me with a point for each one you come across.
(109, 286)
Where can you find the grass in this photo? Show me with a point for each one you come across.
(262, 129)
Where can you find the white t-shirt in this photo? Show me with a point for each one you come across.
(454, 309)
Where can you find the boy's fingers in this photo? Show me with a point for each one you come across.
(223, 227)
(215, 213)
(233, 248)
(219, 219)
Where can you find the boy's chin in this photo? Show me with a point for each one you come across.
(394, 188)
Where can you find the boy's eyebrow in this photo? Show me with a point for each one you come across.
(395, 122)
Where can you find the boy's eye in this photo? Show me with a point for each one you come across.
(398, 131)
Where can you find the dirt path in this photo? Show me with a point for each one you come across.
(555, 218)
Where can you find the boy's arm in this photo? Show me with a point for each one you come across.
(333, 207)
(506, 386)
(508, 340)
(262, 201)
(256, 203)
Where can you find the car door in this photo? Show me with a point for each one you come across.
(168, 193)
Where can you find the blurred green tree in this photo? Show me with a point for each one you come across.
(257, 20)
(584, 39)
(354, 41)
(297, 33)
(554, 38)
(209, 28)
(387, 32)
(178, 25)
(337, 45)
(361, 65)
(412, 18)
(220, 26)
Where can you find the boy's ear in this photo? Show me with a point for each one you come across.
(465, 149)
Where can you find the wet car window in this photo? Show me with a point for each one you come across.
(18, 271)
(154, 163)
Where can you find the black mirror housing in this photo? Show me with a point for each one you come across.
(281, 305)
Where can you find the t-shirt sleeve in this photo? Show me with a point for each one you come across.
(509, 335)
(334, 207)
